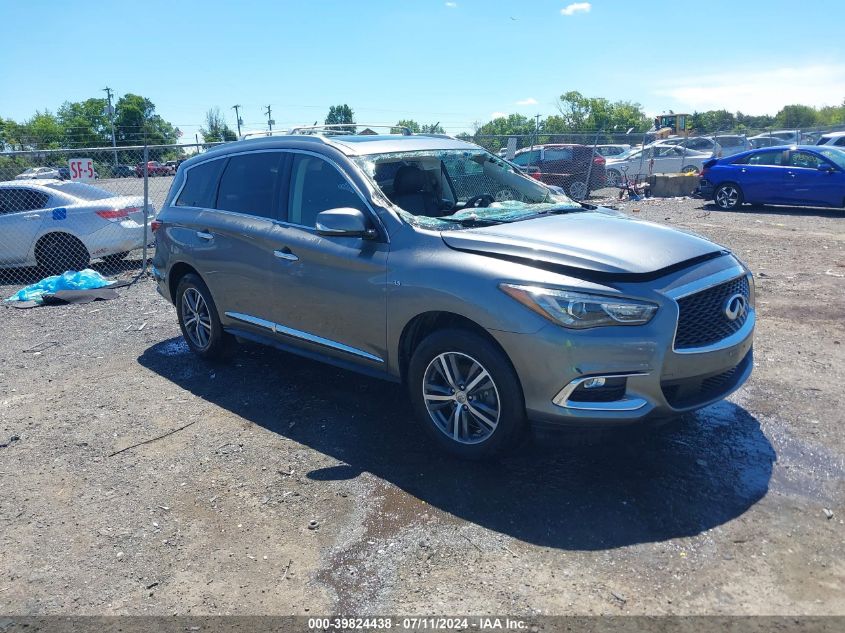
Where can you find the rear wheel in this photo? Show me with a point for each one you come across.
(613, 177)
(728, 197)
(198, 319)
(57, 253)
(578, 190)
(466, 394)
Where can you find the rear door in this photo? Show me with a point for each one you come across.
(230, 240)
(329, 291)
(761, 176)
(22, 212)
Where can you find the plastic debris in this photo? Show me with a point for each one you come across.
(71, 280)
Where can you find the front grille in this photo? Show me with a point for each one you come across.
(691, 392)
(701, 318)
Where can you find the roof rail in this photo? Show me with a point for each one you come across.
(348, 128)
(265, 133)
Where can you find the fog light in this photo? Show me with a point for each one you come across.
(593, 383)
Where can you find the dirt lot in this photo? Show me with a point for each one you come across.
(737, 510)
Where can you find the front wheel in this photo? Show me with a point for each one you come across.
(613, 177)
(466, 394)
(728, 197)
(578, 190)
(198, 319)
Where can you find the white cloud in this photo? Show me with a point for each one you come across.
(527, 102)
(498, 115)
(576, 7)
(452, 5)
(756, 91)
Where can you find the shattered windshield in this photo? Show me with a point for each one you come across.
(443, 189)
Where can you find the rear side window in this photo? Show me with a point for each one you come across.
(559, 153)
(200, 187)
(765, 158)
(805, 160)
(250, 184)
(315, 186)
(840, 142)
(17, 200)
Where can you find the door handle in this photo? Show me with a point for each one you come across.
(286, 254)
(32, 216)
(205, 235)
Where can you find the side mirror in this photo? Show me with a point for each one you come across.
(343, 222)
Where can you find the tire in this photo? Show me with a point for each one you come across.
(115, 258)
(728, 197)
(477, 422)
(204, 335)
(578, 190)
(57, 253)
(613, 177)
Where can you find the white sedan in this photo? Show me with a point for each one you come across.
(62, 225)
(39, 173)
(654, 159)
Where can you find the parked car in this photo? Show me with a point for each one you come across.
(172, 164)
(565, 166)
(655, 159)
(430, 261)
(38, 173)
(837, 139)
(64, 173)
(124, 171)
(761, 141)
(609, 151)
(61, 225)
(730, 144)
(705, 144)
(802, 175)
(787, 137)
(154, 168)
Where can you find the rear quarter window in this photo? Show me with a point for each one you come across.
(200, 188)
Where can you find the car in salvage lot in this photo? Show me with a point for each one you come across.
(566, 166)
(497, 301)
(154, 168)
(800, 175)
(655, 159)
(62, 225)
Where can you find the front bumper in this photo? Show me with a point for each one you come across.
(644, 377)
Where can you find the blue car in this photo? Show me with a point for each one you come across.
(796, 175)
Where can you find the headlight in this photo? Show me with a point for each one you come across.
(581, 310)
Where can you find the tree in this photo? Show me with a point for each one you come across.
(588, 114)
(796, 116)
(136, 122)
(341, 114)
(408, 123)
(432, 128)
(86, 123)
(216, 129)
(44, 131)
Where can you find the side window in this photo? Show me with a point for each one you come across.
(250, 184)
(526, 158)
(804, 159)
(840, 142)
(315, 186)
(17, 200)
(766, 158)
(559, 153)
(201, 185)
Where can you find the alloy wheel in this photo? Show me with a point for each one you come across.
(727, 197)
(578, 190)
(196, 318)
(461, 398)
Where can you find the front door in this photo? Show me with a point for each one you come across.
(22, 212)
(329, 292)
(807, 184)
(761, 176)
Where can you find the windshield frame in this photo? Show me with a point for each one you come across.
(465, 217)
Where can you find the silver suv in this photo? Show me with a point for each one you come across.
(428, 260)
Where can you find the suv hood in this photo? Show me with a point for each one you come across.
(598, 244)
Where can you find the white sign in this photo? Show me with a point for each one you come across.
(81, 168)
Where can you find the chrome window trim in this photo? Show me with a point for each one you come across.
(311, 229)
(278, 328)
(625, 404)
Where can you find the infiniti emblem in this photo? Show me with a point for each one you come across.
(735, 307)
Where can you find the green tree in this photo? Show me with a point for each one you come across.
(432, 128)
(44, 131)
(408, 123)
(85, 123)
(796, 116)
(341, 114)
(587, 114)
(136, 122)
(216, 129)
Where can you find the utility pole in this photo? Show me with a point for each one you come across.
(238, 119)
(536, 130)
(270, 121)
(110, 112)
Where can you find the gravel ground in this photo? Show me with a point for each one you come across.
(296, 488)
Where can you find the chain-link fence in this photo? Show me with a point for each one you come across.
(67, 210)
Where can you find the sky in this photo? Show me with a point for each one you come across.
(453, 62)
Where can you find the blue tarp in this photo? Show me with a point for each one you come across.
(71, 280)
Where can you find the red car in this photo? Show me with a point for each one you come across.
(564, 165)
(154, 168)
